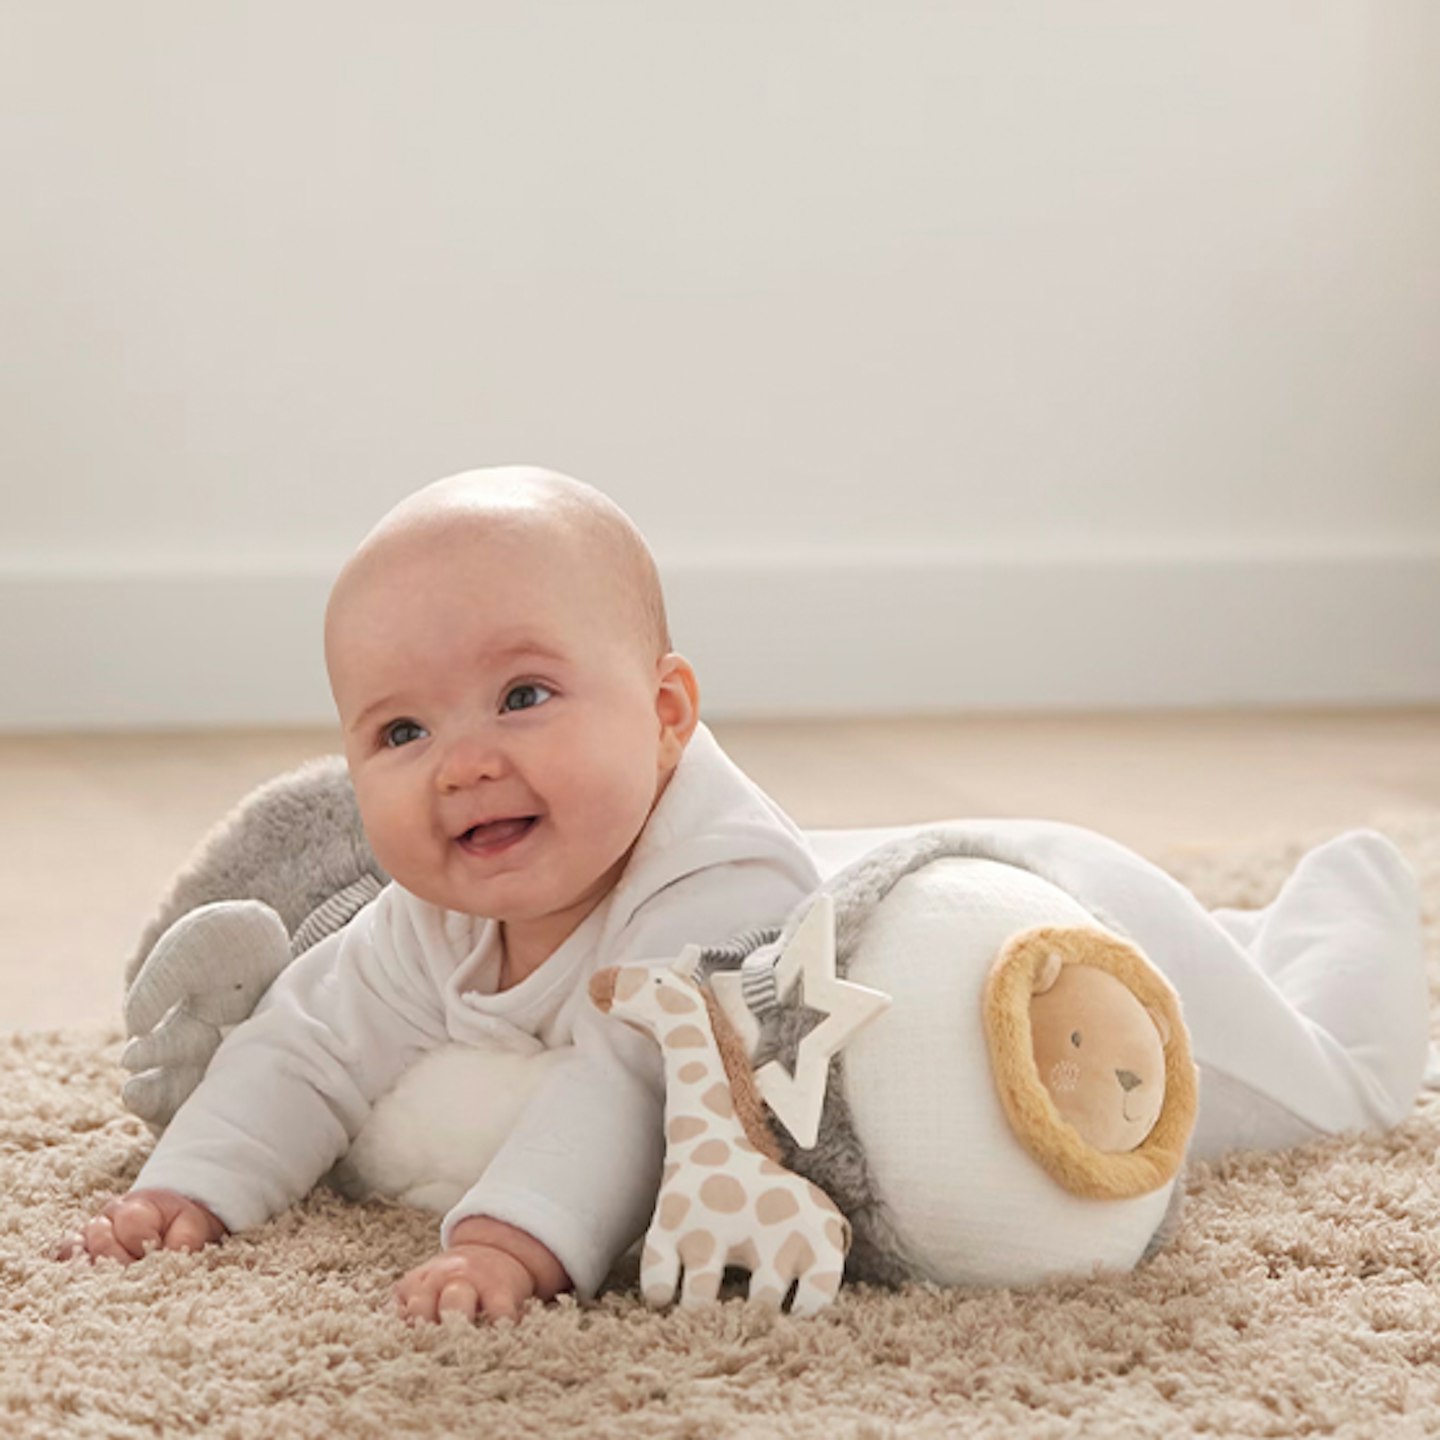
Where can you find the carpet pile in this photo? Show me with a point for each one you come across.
(1301, 1297)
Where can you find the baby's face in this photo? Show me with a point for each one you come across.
(505, 725)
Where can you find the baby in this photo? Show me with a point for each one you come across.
(531, 771)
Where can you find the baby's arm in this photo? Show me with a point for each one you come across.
(289, 1088)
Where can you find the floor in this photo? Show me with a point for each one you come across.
(96, 825)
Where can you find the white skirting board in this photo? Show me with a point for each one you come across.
(810, 634)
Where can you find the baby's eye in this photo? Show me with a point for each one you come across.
(400, 732)
(1075, 1038)
(526, 696)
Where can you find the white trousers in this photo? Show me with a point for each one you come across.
(1308, 1017)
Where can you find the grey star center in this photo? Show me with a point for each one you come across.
(782, 1030)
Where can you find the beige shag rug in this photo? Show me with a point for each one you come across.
(1302, 1297)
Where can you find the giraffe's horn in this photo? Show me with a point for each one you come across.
(602, 988)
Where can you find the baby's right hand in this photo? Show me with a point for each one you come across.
(142, 1221)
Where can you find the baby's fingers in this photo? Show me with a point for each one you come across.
(415, 1301)
(72, 1247)
(435, 1296)
(95, 1240)
(411, 1299)
(189, 1230)
(458, 1297)
(136, 1225)
(501, 1303)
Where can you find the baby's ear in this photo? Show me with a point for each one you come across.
(1161, 1023)
(677, 706)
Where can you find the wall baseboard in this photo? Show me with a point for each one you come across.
(775, 636)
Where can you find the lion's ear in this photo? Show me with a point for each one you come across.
(1047, 974)
(1162, 1024)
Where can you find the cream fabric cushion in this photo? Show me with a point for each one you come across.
(966, 1197)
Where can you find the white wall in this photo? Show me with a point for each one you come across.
(1011, 354)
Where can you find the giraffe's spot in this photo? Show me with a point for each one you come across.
(672, 1210)
(676, 1002)
(769, 1167)
(837, 1233)
(821, 1199)
(685, 1037)
(696, 1248)
(691, 1071)
(686, 1127)
(744, 1256)
(717, 1099)
(776, 1205)
(723, 1193)
(827, 1283)
(767, 1297)
(628, 982)
(650, 1258)
(658, 1293)
(712, 1152)
(795, 1256)
(672, 1169)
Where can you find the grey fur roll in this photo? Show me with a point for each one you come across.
(837, 1163)
(295, 843)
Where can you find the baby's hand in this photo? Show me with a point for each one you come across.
(144, 1220)
(468, 1280)
(490, 1269)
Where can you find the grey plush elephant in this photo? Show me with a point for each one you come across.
(286, 867)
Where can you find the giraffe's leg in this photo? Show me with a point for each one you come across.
(765, 1287)
(817, 1288)
(659, 1270)
(816, 1270)
(704, 1263)
(768, 1287)
(700, 1287)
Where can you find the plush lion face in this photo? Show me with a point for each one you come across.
(1100, 1053)
(1091, 1059)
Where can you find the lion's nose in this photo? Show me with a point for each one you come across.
(1128, 1079)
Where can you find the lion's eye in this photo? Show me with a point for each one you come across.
(1075, 1038)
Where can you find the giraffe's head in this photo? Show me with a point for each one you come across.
(651, 997)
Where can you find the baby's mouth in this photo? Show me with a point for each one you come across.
(496, 834)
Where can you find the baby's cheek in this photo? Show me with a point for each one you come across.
(615, 813)
(394, 835)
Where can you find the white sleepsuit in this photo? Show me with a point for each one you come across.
(1307, 1017)
(289, 1089)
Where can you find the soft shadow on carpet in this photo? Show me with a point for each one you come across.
(1301, 1297)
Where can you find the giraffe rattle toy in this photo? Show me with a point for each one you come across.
(724, 1200)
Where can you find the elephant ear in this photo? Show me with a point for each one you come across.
(207, 971)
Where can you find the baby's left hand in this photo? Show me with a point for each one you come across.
(491, 1269)
(468, 1280)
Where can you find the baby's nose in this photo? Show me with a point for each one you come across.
(466, 762)
(1128, 1079)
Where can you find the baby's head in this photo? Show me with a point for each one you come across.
(512, 712)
